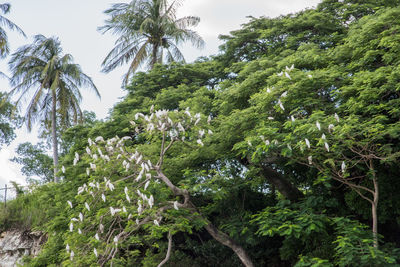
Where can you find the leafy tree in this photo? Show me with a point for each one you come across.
(146, 30)
(35, 161)
(8, 120)
(54, 79)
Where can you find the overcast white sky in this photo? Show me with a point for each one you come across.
(75, 23)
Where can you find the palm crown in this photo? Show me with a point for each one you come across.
(149, 33)
(40, 71)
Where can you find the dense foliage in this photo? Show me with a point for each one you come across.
(282, 150)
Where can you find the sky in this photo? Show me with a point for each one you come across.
(75, 23)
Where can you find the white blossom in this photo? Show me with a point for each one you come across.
(176, 205)
(80, 216)
(343, 167)
(71, 227)
(63, 169)
(67, 247)
(103, 197)
(310, 160)
(95, 252)
(97, 236)
(156, 223)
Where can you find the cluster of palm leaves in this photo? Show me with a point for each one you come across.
(149, 33)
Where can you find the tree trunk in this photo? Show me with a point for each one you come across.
(225, 240)
(154, 56)
(54, 134)
(218, 235)
(375, 213)
(281, 184)
(276, 180)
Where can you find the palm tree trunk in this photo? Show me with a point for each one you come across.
(54, 134)
(154, 56)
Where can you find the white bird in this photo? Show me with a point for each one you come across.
(69, 203)
(271, 118)
(330, 128)
(284, 94)
(156, 223)
(176, 205)
(200, 142)
(146, 185)
(307, 142)
(318, 126)
(99, 139)
(72, 254)
(337, 117)
(326, 146)
(280, 104)
(310, 160)
(343, 166)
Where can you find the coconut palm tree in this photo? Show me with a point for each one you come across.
(149, 33)
(51, 81)
(4, 48)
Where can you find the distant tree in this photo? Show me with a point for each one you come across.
(8, 121)
(146, 30)
(41, 71)
(35, 162)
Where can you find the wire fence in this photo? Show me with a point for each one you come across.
(8, 193)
